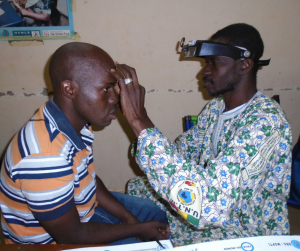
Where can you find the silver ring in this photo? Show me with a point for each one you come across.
(127, 80)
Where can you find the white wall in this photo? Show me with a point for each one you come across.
(144, 34)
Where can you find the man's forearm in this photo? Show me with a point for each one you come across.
(68, 229)
(108, 202)
(139, 125)
(99, 233)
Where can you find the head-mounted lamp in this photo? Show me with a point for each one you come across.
(204, 48)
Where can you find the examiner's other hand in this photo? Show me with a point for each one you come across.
(132, 98)
(154, 229)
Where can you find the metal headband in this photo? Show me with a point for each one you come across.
(203, 48)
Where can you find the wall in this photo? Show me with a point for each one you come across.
(145, 34)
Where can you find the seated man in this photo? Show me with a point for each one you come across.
(49, 190)
(229, 175)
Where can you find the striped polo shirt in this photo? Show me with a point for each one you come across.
(47, 168)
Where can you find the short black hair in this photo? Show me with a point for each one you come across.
(74, 61)
(243, 35)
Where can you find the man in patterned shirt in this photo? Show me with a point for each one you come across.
(49, 190)
(229, 175)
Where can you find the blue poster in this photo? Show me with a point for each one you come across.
(36, 19)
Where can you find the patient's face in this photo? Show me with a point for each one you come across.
(96, 102)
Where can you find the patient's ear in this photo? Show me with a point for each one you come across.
(67, 88)
(246, 65)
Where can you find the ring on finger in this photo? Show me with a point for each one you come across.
(127, 80)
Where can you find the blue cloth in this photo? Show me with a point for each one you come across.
(295, 181)
(10, 18)
(144, 210)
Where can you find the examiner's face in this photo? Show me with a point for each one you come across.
(97, 101)
(219, 75)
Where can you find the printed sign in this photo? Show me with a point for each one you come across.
(45, 19)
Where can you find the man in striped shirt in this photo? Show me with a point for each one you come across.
(49, 190)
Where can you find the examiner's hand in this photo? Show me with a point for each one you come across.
(132, 98)
(154, 229)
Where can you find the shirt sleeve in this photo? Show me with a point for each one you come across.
(48, 185)
(209, 195)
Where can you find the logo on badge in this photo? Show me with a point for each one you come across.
(186, 197)
(296, 244)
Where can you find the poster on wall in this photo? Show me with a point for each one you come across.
(36, 19)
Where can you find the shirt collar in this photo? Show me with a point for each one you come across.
(58, 120)
(232, 113)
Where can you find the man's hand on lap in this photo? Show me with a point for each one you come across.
(153, 229)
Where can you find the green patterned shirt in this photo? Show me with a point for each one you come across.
(240, 192)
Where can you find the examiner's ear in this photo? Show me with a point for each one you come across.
(246, 65)
(67, 88)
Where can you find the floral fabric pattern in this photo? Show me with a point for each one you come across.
(243, 190)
